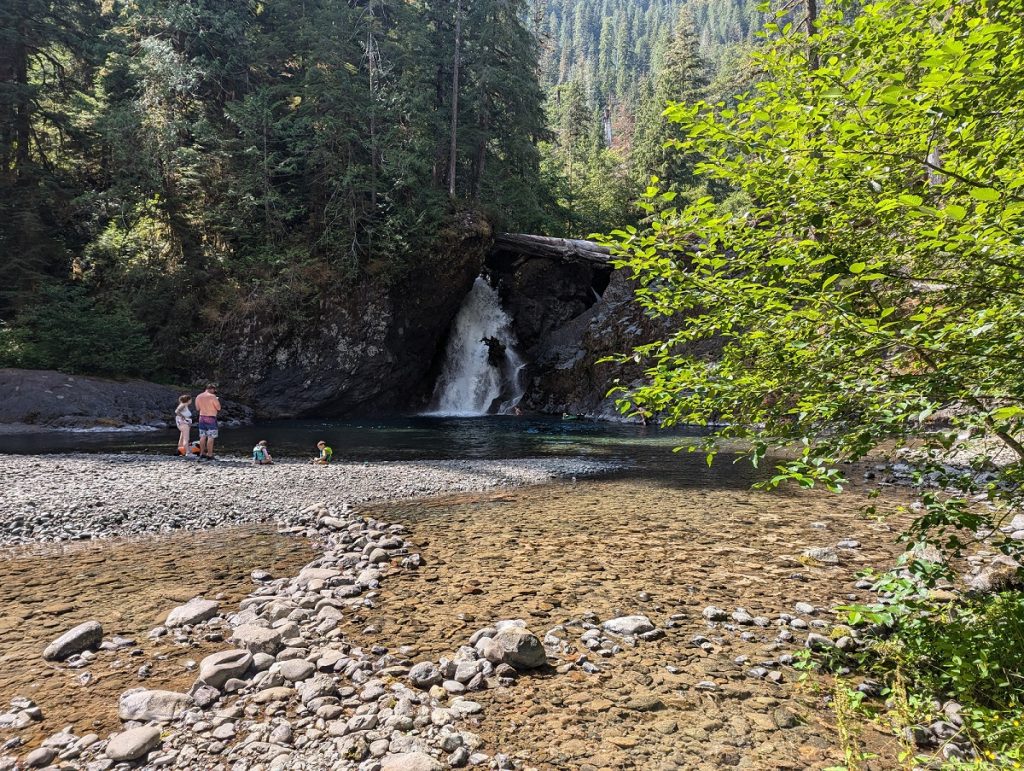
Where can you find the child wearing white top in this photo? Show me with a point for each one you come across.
(183, 420)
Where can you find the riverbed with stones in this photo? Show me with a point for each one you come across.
(618, 615)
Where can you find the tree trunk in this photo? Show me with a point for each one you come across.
(455, 100)
(566, 249)
(812, 19)
(23, 110)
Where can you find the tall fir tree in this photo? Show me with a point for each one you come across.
(48, 53)
(682, 78)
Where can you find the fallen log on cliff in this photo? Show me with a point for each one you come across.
(567, 249)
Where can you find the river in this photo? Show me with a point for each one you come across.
(664, 536)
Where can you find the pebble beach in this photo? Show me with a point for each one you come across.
(75, 497)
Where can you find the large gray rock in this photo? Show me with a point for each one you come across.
(317, 687)
(628, 625)
(425, 674)
(82, 638)
(145, 705)
(296, 670)
(568, 373)
(1014, 525)
(217, 668)
(39, 757)
(257, 639)
(410, 761)
(516, 647)
(195, 611)
(316, 574)
(133, 743)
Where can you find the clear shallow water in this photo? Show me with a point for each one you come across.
(394, 438)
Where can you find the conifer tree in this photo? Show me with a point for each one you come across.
(682, 78)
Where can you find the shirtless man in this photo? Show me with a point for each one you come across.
(208, 405)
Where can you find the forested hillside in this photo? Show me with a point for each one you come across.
(163, 162)
(612, 46)
(168, 169)
(609, 68)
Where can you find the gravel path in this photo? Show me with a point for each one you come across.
(79, 497)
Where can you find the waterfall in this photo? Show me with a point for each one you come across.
(482, 368)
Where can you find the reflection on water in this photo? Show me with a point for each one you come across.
(395, 438)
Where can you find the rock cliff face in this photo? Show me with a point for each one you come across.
(48, 399)
(370, 349)
(565, 373)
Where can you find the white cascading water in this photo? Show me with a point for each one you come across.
(477, 380)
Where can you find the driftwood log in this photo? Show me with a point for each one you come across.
(566, 249)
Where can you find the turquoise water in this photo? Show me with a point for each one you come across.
(394, 438)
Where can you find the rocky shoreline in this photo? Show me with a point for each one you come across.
(297, 691)
(496, 631)
(294, 693)
(78, 497)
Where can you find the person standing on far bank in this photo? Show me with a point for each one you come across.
(208, 405)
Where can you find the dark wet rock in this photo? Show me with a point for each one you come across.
(565, 371)
(44, 398)
(369, 348)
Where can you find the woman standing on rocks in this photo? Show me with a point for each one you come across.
(183, 420)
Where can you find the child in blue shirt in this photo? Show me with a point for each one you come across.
(261, 455)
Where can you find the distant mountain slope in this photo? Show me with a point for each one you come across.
(613, 45)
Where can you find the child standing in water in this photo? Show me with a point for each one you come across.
(183, 420)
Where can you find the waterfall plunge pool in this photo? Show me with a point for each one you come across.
(390, 438)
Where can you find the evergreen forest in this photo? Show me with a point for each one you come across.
(161, 160)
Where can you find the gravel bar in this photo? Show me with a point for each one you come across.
(52, 498)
